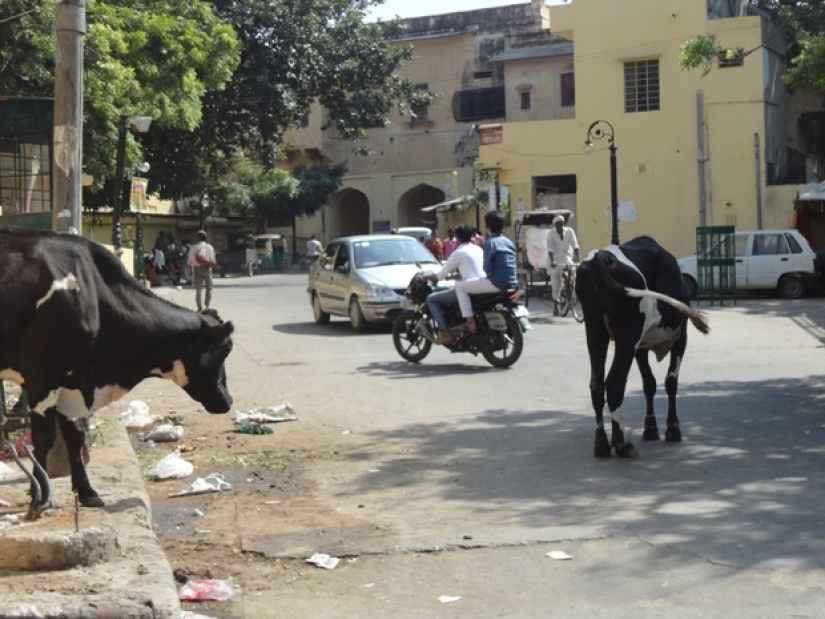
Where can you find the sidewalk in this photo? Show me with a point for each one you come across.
(137, 584)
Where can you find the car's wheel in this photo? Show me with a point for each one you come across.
(689, 285)
(356, 316)
(792, 287)
(511, 346)
(321, 317)
(408, 340)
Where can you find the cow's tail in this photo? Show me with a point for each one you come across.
(695, 317)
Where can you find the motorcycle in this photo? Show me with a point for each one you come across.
(501, 319)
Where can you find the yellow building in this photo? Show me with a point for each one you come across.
(426, 158)
(690, 151)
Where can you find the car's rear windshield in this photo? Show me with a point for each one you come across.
(382, 252)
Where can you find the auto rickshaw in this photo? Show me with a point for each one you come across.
(272, 253)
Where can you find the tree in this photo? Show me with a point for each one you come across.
(156, 59)
(255, 193)
(293, 53)
(803, 25)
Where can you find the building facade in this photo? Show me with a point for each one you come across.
(689, 150)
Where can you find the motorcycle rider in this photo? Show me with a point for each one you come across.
(468, 260)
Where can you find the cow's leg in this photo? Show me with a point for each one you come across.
(43, 437)
(673, 434)
(615, 387)
(651, 432)
(74, 437)
(598, 341)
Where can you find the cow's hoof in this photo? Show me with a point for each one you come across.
(651, 434)
(36, 510)
(602, 451)
(90, 499)
(627, 451)
(673, 435)
(601, 448)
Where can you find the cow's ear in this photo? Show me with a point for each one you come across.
(218, 333)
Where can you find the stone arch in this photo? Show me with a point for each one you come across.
(413, 200)
(350, 213)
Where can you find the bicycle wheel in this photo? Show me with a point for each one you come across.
(564, 298)
(576, 307)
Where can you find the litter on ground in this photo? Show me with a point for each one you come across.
(214, 482)
(172, 466)
(447, 599)
(324, 561)
(559, 555)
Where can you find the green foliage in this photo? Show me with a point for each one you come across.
(317, 184)
(293, 53)
(275, 193)
(256, 192)
(801, 22)
(700, 51)
(480, 197)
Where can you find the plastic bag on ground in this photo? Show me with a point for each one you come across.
(172, 466)
(214, 482)
(207, 590)
(138, 415)
(165, 434)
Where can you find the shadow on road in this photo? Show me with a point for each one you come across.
(746, 486)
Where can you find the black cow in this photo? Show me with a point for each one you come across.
(78, 332)
(633, 295)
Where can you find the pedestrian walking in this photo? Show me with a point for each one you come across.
(202, 259)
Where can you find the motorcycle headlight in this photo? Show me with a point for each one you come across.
(374, 290)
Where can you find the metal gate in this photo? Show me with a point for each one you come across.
(716, 263)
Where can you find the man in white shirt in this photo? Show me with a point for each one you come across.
(202, 259)
(468, 260)
(314, 248)
(563, 247)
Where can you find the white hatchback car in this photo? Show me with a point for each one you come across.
(769, 260)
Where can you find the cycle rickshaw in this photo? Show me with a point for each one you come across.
(534, 261)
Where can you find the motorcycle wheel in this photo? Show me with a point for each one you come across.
(408, 340)
(513, 344)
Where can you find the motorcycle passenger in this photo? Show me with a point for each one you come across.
(468, 260)
(499, 265)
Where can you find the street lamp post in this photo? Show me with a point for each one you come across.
(597, 132)
(204, 206)
(140, 269)
(141, 124)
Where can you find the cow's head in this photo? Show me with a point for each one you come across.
(204, 364)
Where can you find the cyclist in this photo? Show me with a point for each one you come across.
(563, 247)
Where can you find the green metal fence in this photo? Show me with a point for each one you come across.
(716, 263)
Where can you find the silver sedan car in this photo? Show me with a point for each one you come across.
(364, 277)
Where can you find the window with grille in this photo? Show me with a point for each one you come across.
(641, 86)
(479, 104)
(568, 90)
(525, 99)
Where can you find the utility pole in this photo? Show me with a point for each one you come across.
(67, 168)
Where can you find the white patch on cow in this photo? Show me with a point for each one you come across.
(71, 404)
(618, 416)
(177, 375)
(11, 376)
(67, 283)
(106, 395)
(45, 404)
(675, 372)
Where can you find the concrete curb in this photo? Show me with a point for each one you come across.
(136, 585)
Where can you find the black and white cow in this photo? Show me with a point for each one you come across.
(78, 332)
(632, 294)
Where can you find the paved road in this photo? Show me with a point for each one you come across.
(468, 476)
